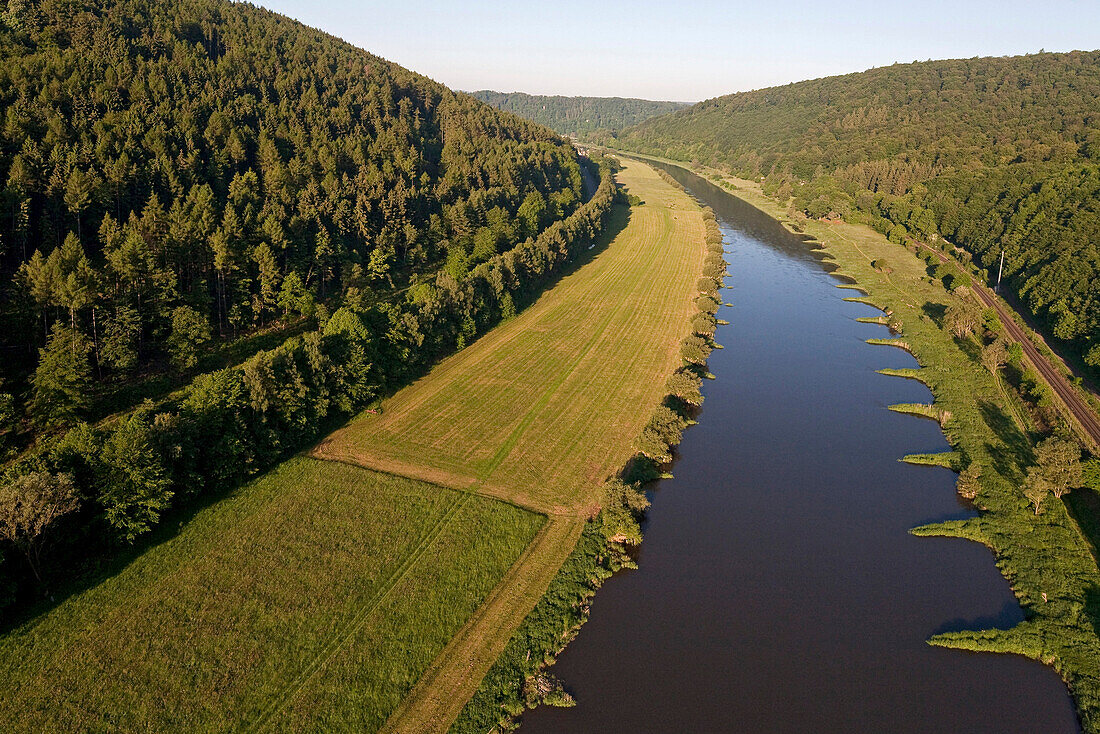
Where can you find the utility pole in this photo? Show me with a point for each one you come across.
(1000, 269)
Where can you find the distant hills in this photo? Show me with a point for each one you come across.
(578, 115)
(990, 153)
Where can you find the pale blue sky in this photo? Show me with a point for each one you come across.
(687, 50)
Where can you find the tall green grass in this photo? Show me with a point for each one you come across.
(312, 597)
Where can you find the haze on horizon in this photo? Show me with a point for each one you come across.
(694, 50)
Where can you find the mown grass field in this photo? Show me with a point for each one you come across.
(311, 599)
(543, 408)
(540, 411)
(1045, 557)
(317, 597)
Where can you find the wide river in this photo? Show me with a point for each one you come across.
(778, 588)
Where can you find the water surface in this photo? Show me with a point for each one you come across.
(778, 588)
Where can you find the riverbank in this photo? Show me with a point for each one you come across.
(519, 679)
(1045, 557)
(541, 412)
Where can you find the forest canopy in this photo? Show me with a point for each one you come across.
(989, 153)
(580, 116)
(174, 175)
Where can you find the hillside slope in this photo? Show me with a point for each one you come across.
(577, 115)
(181, 175)
(990, 153)
(177, 172)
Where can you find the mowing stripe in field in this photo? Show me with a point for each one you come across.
(325, 653)
(538, 412)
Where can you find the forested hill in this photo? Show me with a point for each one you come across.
(209, 181)
(578, 115)
(178, 173)
(987, 152)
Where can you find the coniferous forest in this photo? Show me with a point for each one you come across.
(583, 116)
(201, 185)
(989, 153)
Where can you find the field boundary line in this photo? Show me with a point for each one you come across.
(434, 709)
(476, 490)
(340, 638)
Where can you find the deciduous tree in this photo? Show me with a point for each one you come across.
(29, 505)
(995, 355)
(190, 332)
(962, 318)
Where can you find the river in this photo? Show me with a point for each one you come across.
(778, 587)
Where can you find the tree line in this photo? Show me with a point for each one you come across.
(100, 487)
(175, 175)
(993, 154)
(582, 116)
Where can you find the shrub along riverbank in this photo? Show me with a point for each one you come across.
(518, 680)
(103, 487)
(1045, 557)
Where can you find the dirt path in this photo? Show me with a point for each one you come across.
(455, 674)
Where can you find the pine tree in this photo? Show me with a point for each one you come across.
(190, 333)
(61, 381)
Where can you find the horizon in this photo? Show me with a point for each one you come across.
(772, 86)
(713, 49)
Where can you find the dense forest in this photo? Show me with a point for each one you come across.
(989, 153)
(178, 174)
(182, 175)
(579, 116)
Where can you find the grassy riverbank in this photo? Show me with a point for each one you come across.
(541, 411)
(1045, 557)
(518, 678)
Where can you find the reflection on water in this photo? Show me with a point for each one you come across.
(779, 589)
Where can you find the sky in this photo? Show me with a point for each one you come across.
(687, 50)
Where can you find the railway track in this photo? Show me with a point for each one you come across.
(1081, 412)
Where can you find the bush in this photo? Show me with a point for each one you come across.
(685, 385)
(1090, 474)
(707, 304)
(708, 286)
(704, 324)
(695, 350)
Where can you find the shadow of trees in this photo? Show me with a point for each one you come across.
(934, 311)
